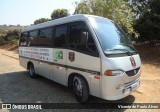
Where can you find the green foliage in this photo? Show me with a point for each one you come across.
(59, 13)
(148, 24)
(11, 36)
(41, 20)
(1, 39)
(139, 6)
(117, 10)
(82, 8)
(3, 32)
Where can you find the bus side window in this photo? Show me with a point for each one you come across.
(45, 37)
(32, 40)
(60, 36)
(81, 40)
(23, 39)
(74, 35)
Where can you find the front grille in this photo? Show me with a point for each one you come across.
(132, 72)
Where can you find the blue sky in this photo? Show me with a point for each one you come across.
(25, 12)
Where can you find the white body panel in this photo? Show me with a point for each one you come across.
(56, 70)
(59, 73)
(110, 84)
(87, 62)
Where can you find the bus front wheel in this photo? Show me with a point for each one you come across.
(80, 89)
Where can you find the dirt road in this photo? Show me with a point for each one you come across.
(16, 86)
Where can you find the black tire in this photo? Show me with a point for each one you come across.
(80, 89)
(32, 71)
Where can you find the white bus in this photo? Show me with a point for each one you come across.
(90, 54)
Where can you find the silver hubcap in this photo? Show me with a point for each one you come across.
(31, 70)
(77, 86)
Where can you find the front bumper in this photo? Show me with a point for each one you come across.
(124, 90)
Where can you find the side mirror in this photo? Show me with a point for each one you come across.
(84, 37)
(22, 39)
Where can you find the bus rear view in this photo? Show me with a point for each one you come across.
(121, 65)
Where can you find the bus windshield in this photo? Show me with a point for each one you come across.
(112, 38)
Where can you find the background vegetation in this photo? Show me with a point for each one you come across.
(41, 20)
(139, 18)
(117, 10)
(148, 22)
(10, 36)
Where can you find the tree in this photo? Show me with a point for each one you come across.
(117, 10)
(41, 20)
(139, 6)
(11, 36)
(12, 33)
(82, 8)
(1, 39)
(59, 13)
(148, 23)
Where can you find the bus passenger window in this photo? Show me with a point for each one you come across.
(32, 40)
(60, 36)
(23, 39)
(45, 37)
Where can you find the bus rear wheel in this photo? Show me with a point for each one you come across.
(80, 89)
(32, 71)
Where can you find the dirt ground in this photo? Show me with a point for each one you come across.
(10, 47)
(148, 92)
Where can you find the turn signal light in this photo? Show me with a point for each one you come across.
(108, 73)
(113, 72)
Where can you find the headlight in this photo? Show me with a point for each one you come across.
(113, 72)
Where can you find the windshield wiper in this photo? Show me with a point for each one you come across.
(125, 45)
(128, 46)
(127, 51)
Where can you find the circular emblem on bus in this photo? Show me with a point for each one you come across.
(133, 63)
(71, 56)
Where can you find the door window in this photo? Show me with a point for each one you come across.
(81, 39)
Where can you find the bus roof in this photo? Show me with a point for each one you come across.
(58, 21)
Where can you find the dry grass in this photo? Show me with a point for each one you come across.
(10, 47)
